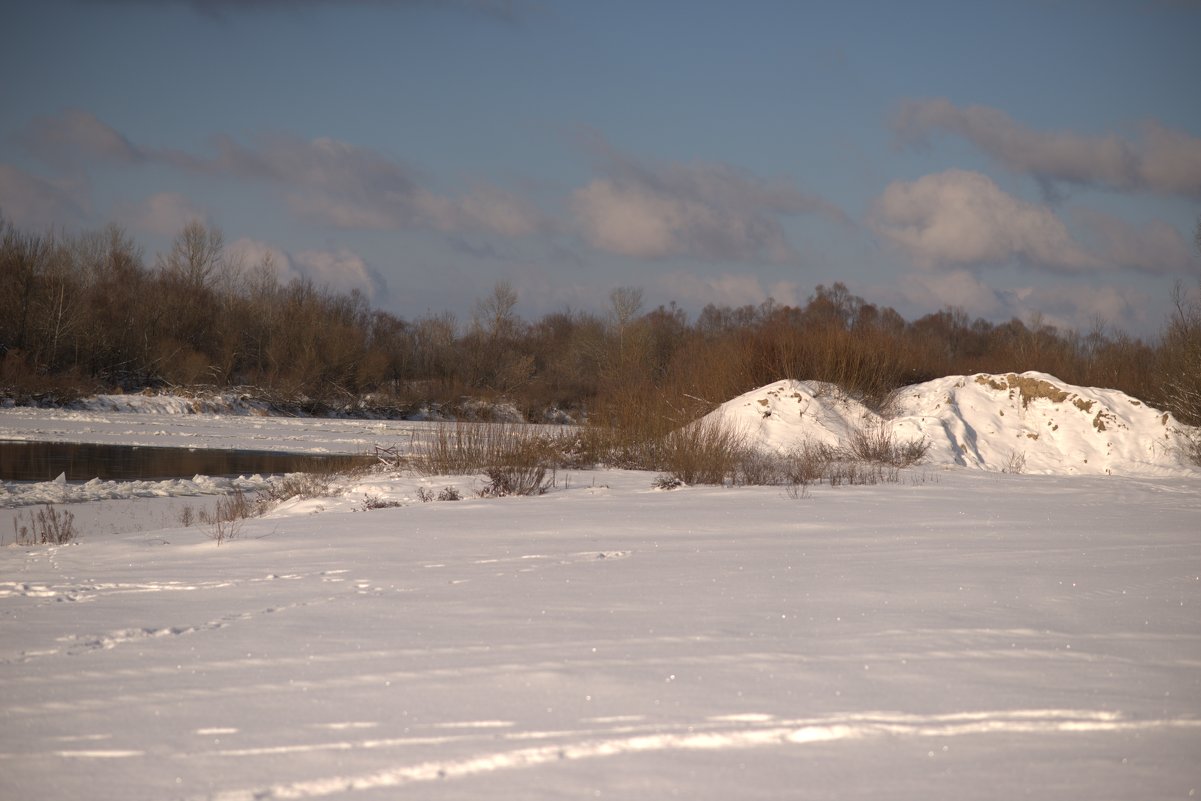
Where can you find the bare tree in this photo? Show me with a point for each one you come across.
(625, 303)
(494, 314)
(197, 255)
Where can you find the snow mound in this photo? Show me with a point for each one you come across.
(783, 416)
(1029, 422)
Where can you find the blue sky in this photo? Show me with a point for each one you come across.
(1031, 157)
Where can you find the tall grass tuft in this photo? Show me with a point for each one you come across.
(875, 443)
(702, 452)
(46, 527)
(459, 448)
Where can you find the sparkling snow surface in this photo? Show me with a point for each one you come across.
(965, 634)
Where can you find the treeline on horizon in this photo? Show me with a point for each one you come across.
(86, 313)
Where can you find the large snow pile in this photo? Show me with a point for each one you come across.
(1030, 422)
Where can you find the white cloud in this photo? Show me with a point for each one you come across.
(340, 271)
(1172, 160)
(165, 213)
(1080, 307)
(74, 137)
(348, 186)
(629, 222)
(727, 289)
(250, 254)
(963, 218)
(1156, 248)
(325, 179)
(29, 201)
(711, 212)
(955, 288)
(485, 208)
(1166, 161)
(1067, 306)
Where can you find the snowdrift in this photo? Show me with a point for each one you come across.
(1029, 422)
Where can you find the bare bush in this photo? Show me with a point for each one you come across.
(1016, 463)
(447, 493)
(1180, 358)
(226, 521)
(703, 452)
(376, 502)
(666, 482)
(296, 485)
(808, 463)
(462, 448)
(861, 473)
(797, 491)
(47, 527)
(875, 443)
(517, 480)
(757, 468)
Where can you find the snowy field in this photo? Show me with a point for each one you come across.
(963, 634)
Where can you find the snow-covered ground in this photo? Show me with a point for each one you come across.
(964, 634)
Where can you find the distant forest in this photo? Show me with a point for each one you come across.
(86, 313)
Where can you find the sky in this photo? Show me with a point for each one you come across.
(1037, 159)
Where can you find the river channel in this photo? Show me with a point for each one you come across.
(45, 461)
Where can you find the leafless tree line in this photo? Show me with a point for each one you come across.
(86, 312)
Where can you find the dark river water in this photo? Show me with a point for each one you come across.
(44, 461)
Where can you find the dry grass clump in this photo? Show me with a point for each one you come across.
(296, 485)
(447, 493)
(518, 459)
(875, 443)
(460, 448)
(225, 522)
(47, 527)
(517, 480)
(710, 452)
(1192, 446)
(703, 452)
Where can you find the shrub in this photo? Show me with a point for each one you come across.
(376, 502)
(757, 468)
(296, 485)
(666, 482)
(47, 527)
(703, 452)
(226, 522)
(517, 480)
(875, 443)
(462, 448)
(809, 463)
(447, 493)
(1016, 463)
